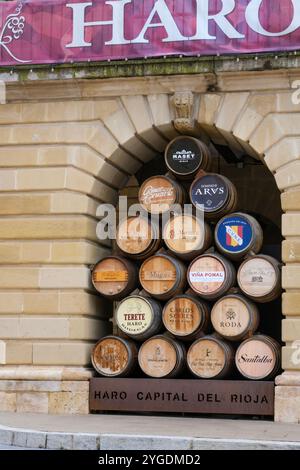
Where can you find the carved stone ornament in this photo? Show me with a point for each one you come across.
(183, 103)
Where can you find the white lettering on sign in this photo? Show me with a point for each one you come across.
(203, 19)
(117, 22)
(234, 235)
(207, 276)
(253, 19)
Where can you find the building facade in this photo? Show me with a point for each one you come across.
(71, 137)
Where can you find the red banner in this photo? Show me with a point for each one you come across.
(60, 31)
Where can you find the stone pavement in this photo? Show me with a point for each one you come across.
(129, 432)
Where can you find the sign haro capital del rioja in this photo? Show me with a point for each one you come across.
(64, 31)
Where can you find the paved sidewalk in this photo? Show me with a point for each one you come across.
(128, 432)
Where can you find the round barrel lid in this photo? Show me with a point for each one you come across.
(234, 233)
(206, 358)
(134, 315)
(255, 358)
(184, 155)
(257, 277)
(182, 316)
(209, 193)
(110, 356)
(184, 233)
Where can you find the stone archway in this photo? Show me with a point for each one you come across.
(60, 158)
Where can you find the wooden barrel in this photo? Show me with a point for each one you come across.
(211, 275)
(258, 358)
(238, 234)
(139, 317)
(138, 237)
(234, 317)
(259, 277)
(114, 357)
(210, 357)
(214, 194)
(158, 193)
(186, 317)
(115, 277)
(185, 156)
(163, 276)
(187, 236)
(162, 356)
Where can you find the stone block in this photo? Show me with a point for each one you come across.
(290, 200)
(69, 403)
(291, 330)
(18, 278)
(41, 302)
(291, 250)
(15, 352)
(40, 178)
(132, 442)
(32, 402)
(36, 252)
(20, 439)
(8, 402)
(66, 202)
(81, 303)
(17, 156)
(291, 276)
(287, 404)
(88, 329)
(11, 302)
(288, 176)
(235, 102)
(62, 353)
(59, 441)
(6, 437)
(258, 106)
(86, 442)
(77, 252)
(291, 225)
(291, 303)
(65, 277)
(36, 440)
(291, 356)
(283, 152)
(24, 204)
(62, 227)
(44, 327)
(7, 180)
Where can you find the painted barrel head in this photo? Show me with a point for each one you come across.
(257, 277)
(182, 316)
(255, 359)
(157, 357)
(234, 234)
(110, 357)
(157, 194)
(134, 315)
(110, 276)
(230, 317)
(184, 155)
(184, 233)
(158, 275)
(134, 235)
(206, 275)
(209, 193)
(206, 358)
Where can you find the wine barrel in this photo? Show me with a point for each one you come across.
(114, 357)
(211, 275)
(162, 356)
(114, 277)
(210, 357)
(238, 234)
(185, 156)
(214, 194)
(234, 317)
(258, 358)
(163, 276)
(158, 193)
(186, 317)
(138, 237)
(187, 236)
(139, 317)
(259, 278)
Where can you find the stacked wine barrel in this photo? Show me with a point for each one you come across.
(187, 288)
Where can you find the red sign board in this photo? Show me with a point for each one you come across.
(61, 31)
